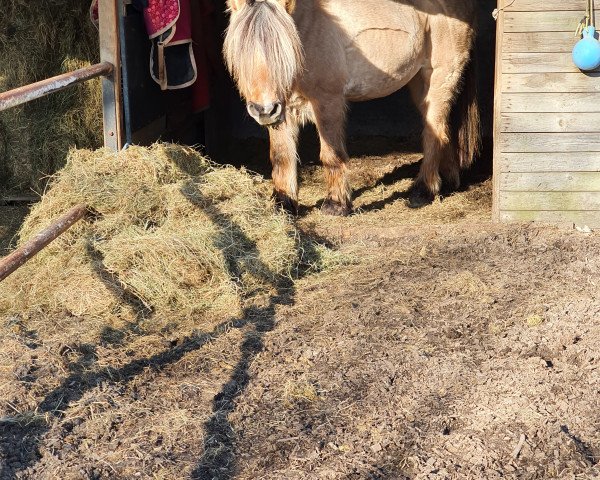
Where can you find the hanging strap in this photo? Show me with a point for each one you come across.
(587, 20)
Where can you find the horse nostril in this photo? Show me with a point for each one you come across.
(276, 110)
(254, 109)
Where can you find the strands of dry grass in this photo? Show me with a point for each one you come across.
(176, 244)
(37, 42)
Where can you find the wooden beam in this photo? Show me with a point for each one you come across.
(13, 261)
(529, 63)
(550, 142)
(545, 21)
(109, 14)
(550, 201)
(550, 182)
(579, 218)
(551, 82)
(550, 122)
(544, 6)
(551, 102)
(548, 162)
(497, 127)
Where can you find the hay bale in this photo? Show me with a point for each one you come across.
(36, 42)
(177, 244)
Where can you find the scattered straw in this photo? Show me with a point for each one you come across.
(176, 243)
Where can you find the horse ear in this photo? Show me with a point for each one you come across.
(235, 5)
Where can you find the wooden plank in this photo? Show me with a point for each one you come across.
(550, 182)
(539, 63)
(547, 21)
(550, 122)
(538, 42)
(548, 162)
(550, 201)
(550, 142)
(542, 5)
(497, 132)
(551, 82)
(579, 218)
(550, 102)
(109, 14)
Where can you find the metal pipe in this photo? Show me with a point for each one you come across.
(25, 94)
(17, 258)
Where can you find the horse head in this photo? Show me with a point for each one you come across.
(263, 52)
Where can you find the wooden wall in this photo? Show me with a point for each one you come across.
(547, 117)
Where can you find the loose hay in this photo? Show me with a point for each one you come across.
(176, 244)
(36, 42)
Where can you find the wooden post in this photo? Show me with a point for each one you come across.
(497, 112)
(17, 258)
(109, 14)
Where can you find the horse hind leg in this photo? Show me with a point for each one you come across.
(433, 91)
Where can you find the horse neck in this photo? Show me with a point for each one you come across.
(304, 15)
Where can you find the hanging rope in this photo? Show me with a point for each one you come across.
(496, 12)
(587, 20)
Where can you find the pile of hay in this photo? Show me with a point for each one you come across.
(176, 244)
(39, 40)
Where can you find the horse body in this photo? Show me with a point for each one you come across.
(372, 48)
(355, 50)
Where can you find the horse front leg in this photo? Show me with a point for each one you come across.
(330, 117)
(283, 140)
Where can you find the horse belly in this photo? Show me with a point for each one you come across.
(378, 72)
(384, 46)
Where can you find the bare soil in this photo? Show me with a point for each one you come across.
(443, 347)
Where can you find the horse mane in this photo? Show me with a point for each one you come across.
(263, 34)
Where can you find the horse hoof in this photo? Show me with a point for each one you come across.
(420, 197)
(286, 204)
(331, 207)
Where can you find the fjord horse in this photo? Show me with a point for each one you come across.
(302, 60)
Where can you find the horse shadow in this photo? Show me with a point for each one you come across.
(218, 460)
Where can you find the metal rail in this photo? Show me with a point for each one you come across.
(26, 251)
(30, 92)
(109, 68)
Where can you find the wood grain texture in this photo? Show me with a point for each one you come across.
(543, 21)
(528, 63)
(547, 117)
(551, 102)
(497, 132)
(542, 6)
(550, 122)
(550, 201)
(548, 162)
(550, 182)
(551, 82)
(550, 142)
(538, 42)
(579, 218)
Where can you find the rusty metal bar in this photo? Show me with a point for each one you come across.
(17, 258)
(25, 94)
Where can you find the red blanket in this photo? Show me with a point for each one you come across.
(175, 62)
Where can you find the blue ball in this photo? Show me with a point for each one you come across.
(586, 54)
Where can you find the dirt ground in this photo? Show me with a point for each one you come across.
(444, 347)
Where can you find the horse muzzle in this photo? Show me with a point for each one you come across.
(266, 115)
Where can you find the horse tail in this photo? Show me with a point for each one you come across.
(465, 121)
